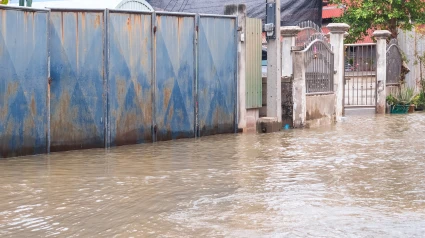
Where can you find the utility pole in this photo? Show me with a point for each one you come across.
(274, 71)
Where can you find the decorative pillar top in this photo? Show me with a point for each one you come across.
(381, 34)
(338, 28)
(289, 31)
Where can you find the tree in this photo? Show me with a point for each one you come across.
(4, 2)
(390, 15)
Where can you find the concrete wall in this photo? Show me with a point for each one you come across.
(287, 102)
(320, 110)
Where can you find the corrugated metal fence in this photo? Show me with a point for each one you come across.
(116, 78)
(23, 81)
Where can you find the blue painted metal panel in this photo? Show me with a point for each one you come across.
(130, 77)
(175, 77)
(23, 82)
(217, 75)
(77, 72)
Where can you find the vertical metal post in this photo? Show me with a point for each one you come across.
(153, 81)
(107, 129)
(195, 95)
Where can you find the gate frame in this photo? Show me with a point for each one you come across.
(345, 78)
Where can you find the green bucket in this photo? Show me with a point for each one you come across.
(400, 109)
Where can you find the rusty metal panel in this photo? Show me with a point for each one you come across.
(129, 77)
(175, 77)
(77, 85)
(23, 81)
(217, 75)
(253, 42)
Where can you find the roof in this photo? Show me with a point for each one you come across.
(332, 12)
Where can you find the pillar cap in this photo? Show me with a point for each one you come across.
(289, 30)
(381, 34)
(338, 28)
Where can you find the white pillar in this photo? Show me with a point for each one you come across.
(288, 34)
(381, 37)
(337, 31)
(274, 95)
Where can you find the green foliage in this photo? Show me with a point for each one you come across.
(4, 2)
(390, 15)
(419, 100)
(405, 96)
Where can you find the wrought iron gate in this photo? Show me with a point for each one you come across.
(360, 75)
(394, 64)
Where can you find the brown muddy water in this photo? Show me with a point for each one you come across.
(364, 177)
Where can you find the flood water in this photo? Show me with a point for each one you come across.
(364, 177)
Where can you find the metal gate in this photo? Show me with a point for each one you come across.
(77, 79)
(394, 64)
(23, 81)
(175, 76)
(217, 74)
(360, 89)
(130, 77)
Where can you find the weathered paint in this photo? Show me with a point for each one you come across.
(23, 81)
(217, 62)
(129, 77)
(175, 77)
(77, 85)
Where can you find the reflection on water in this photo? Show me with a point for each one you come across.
(361, 178)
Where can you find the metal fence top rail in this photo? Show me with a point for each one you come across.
(129, 11)
(175, 13)
(77, 9)
(360, 44)
(328, 47)
(29, 9)
(218, 16)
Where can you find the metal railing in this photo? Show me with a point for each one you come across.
(319, 66)
(309, 33)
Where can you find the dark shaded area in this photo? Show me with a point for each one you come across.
(292, 11)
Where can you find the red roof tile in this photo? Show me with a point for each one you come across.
(332, 12)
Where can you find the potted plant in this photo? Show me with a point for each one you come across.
(419, 99)
(401, 101)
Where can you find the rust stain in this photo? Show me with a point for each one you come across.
(97, 21)
(12, 89)
(129, 24)
(33, 106)
(62, 28)
(67, 132)
(167, 97)
(83, 21)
